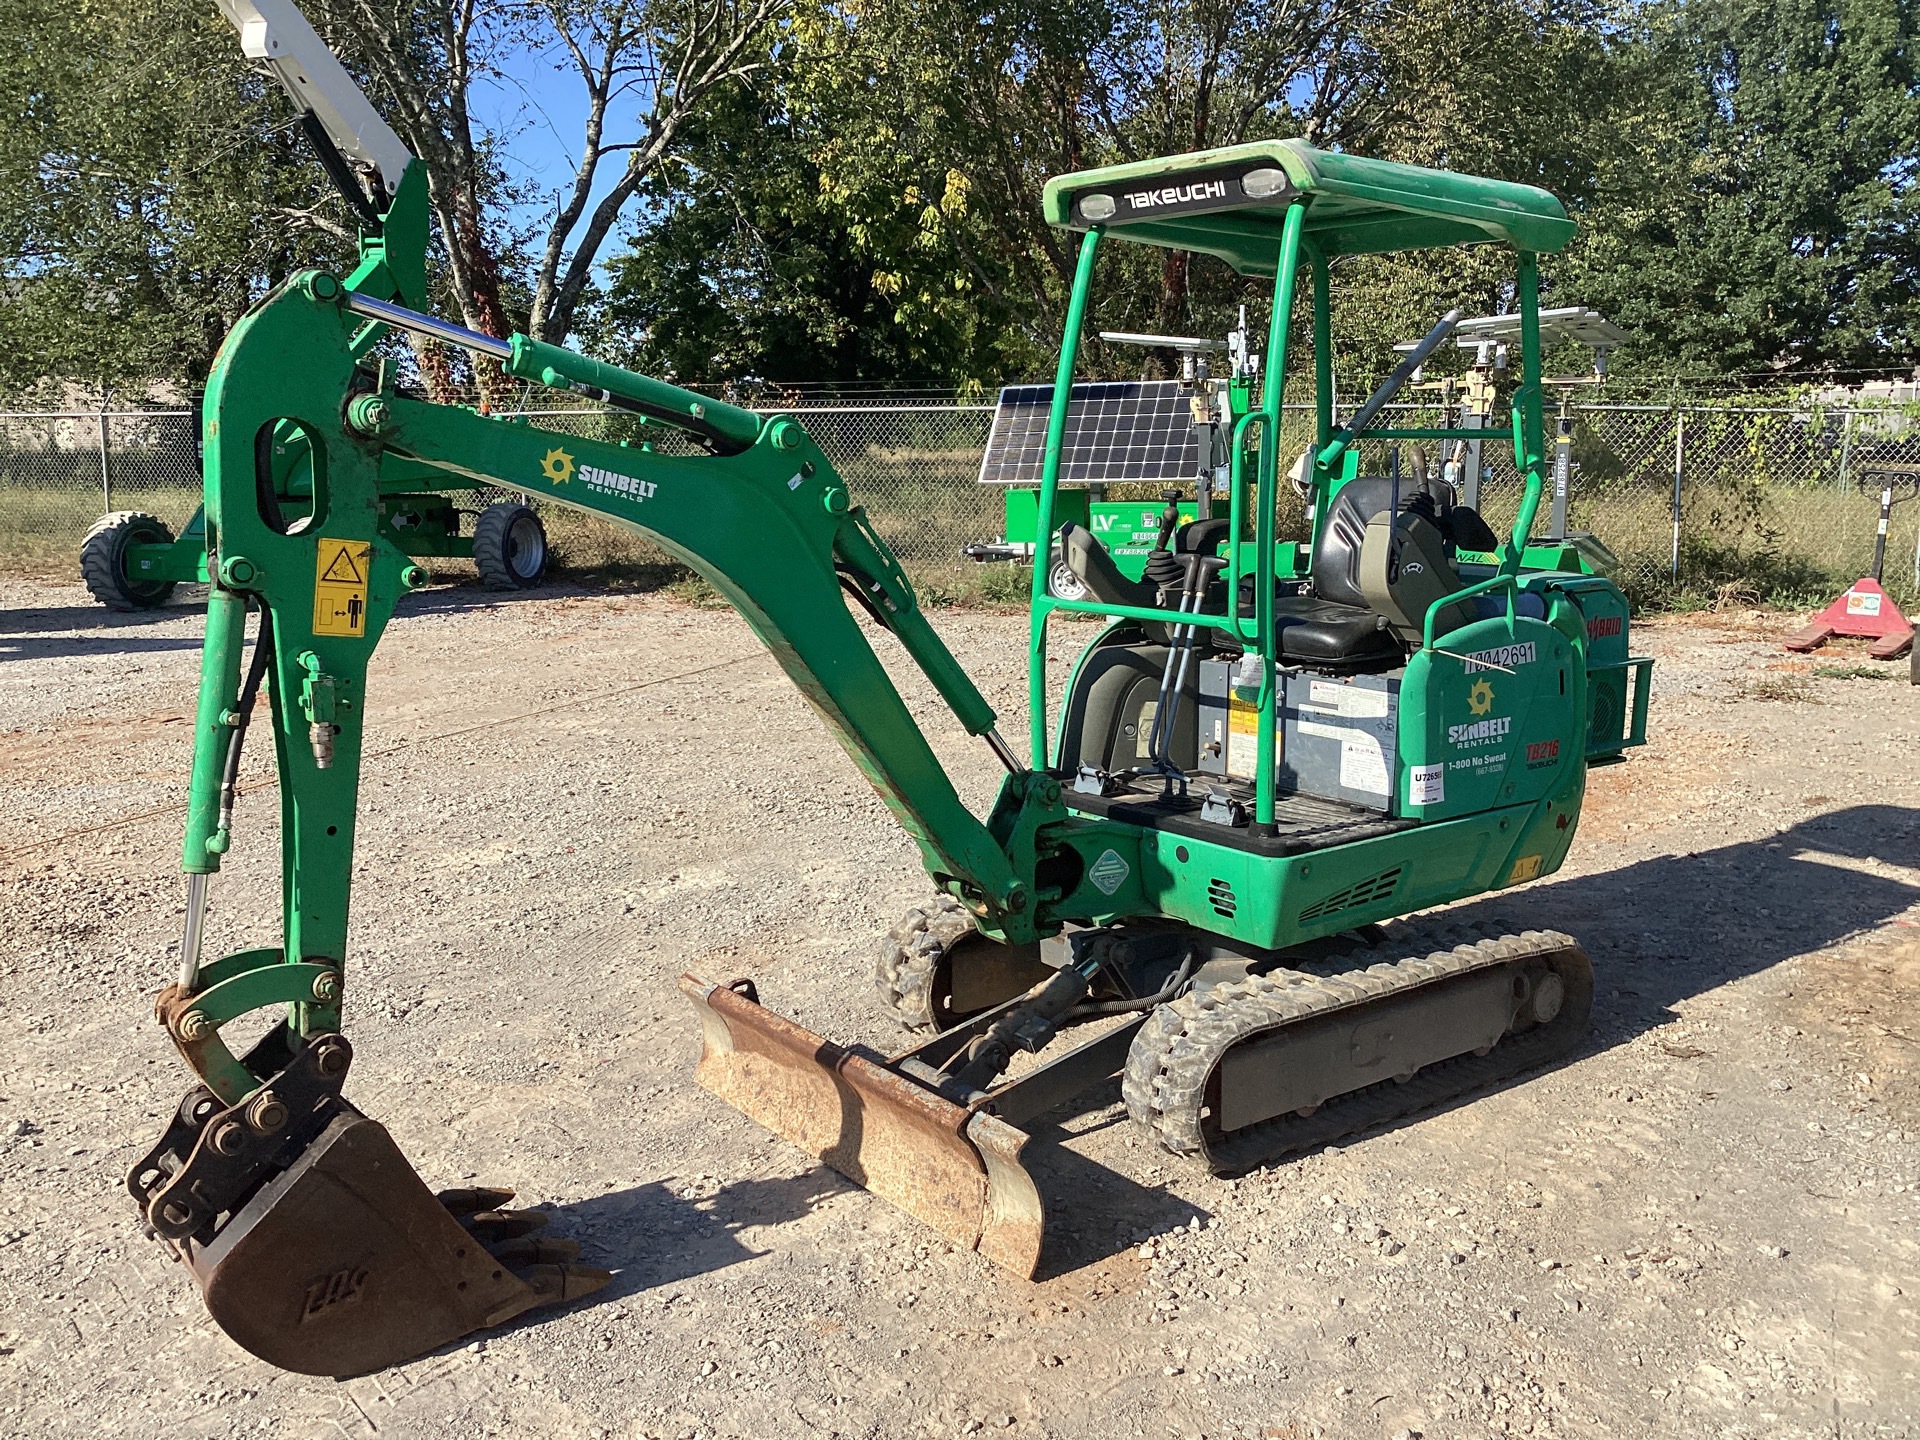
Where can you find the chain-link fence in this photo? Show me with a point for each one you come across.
(1698, 502)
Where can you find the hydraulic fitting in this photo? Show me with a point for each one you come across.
(317, 700)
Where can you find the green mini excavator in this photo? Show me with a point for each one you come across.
(1270, 751)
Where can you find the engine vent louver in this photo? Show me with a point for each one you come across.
(1366, 892)
(1220, 896)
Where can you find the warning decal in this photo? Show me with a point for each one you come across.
(344, 567)
(340, 587)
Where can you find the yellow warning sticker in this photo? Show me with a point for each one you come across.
(340, 587)
(1525, 868)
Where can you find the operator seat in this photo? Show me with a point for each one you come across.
(1341, 625)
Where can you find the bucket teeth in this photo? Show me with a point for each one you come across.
(343, 1262)
(556, 1284)
(535, 1250)
(472, 1201)
(490, 1227)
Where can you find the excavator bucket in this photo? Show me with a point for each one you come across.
(956, 1169)
(317, 1247)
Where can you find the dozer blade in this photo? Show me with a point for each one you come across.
(956, 1169)
(328, 1255)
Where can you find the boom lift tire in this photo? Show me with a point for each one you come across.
(103, 560)
(914, 968)
(510, 547)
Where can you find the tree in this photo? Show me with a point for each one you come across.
(1761, 216)
(662, 58)
(726, 281)
(150, 188)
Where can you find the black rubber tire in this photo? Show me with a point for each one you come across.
(103, 560)
(510, 547)
(903, 969)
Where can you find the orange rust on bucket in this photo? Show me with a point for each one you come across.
(956, 1169)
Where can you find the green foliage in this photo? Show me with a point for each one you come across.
(149, 190)
(1855, 672)
(1743, 172)
(1758, 211)
(730, 282)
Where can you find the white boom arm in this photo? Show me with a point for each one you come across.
(275, 31)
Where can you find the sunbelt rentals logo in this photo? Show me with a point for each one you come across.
(1480, 732)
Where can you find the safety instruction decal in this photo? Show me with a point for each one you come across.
(1527, 867)
(340, 587)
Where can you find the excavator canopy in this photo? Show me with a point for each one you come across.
(1231, 202)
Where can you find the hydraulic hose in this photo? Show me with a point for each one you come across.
(242, 715)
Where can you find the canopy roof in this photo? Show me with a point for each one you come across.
(1231, 202)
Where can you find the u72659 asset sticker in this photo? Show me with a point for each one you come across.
(1427, 785)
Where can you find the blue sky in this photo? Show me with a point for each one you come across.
(540, 112)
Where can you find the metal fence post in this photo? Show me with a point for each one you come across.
(1846, 447)
(106, 467)
(1679, 470)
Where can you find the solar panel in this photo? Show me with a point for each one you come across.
(1117, 431)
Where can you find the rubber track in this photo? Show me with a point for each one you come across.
(1182, 1043)
(908, 953)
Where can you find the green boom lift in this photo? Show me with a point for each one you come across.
(1181, 883)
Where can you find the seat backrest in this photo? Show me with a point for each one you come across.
(1336, 559)
(1088, 559)
(1405, 570)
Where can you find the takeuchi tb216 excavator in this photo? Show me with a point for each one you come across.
(1192, 876)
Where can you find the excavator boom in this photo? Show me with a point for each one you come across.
(322, 1193)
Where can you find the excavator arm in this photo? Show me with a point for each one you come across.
(762, 514)
(766, 520)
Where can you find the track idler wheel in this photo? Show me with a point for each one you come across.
(934, 970)
(316, 1245)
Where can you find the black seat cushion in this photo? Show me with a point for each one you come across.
(1323, 631)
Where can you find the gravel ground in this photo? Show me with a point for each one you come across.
(1706, 1223)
